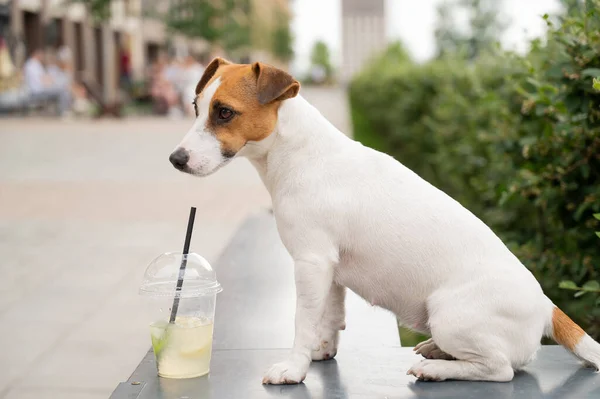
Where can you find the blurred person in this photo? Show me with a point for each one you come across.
(16, 47)
(125, 67)
(80, 104)
(43, 86)
(64, 66)
(173, 74)
(7, 68)
(164, 95)
(65, 55)
(173, 70)
(191, 73)
(61, 70)
(12, 95)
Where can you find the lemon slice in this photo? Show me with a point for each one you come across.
(159, 333)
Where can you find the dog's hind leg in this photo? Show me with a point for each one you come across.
(479, 360)
(429, 350)
(479, 355)
(440, 370)
(333, 321)
(488, 335)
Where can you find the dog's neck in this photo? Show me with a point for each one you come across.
(301, 133)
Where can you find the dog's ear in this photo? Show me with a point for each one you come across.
(209, 72)
(273, 84)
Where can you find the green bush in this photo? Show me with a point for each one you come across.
(515, 139)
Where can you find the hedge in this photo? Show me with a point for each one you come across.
(515, 139)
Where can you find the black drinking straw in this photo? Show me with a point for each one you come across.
(186, 250)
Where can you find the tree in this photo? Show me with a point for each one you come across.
(98, 9)
(572, 7)
(225, 23)
(235, 34)
(283, 39)
(448, 39)
(196, 18)
(485, 26)
(320, 57)
(394, 54)
(486, 23)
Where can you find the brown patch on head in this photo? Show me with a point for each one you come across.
(274, 84)
(253, 94)
(565, 331)
(209, 72)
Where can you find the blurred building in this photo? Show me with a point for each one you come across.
(363, 34)
(95, 45)
(137, 25)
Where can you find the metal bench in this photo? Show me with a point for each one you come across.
(254, 328)
(18, 101)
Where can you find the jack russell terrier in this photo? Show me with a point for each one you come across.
(353, 217)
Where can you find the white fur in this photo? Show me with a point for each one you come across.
(202, 146)
(588, 350)
(353, 217)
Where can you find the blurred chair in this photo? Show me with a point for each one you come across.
(104, 108)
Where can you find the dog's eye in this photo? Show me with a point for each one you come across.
(195, 107)
(225, 113)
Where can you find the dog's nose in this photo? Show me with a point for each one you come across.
(179, 158)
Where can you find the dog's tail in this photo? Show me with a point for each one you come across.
(564, 331)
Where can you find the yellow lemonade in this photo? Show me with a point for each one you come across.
(182, 349)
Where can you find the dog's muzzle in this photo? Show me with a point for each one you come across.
(179, 158)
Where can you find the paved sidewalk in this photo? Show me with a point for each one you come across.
(85, 206)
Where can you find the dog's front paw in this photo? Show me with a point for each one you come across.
(287, 372)
(427, 370)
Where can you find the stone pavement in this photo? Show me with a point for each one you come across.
(84, 207)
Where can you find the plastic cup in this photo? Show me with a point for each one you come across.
(183, 348)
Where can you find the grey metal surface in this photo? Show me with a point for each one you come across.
(362, 374)
(254, 326)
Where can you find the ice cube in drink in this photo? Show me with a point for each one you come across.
(182, 349)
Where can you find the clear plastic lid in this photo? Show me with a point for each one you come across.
(162, 274)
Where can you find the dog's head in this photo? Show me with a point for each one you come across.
(235, 104)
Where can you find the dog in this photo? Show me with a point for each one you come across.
(353, 217)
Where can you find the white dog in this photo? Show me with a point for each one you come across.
(353, 217)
